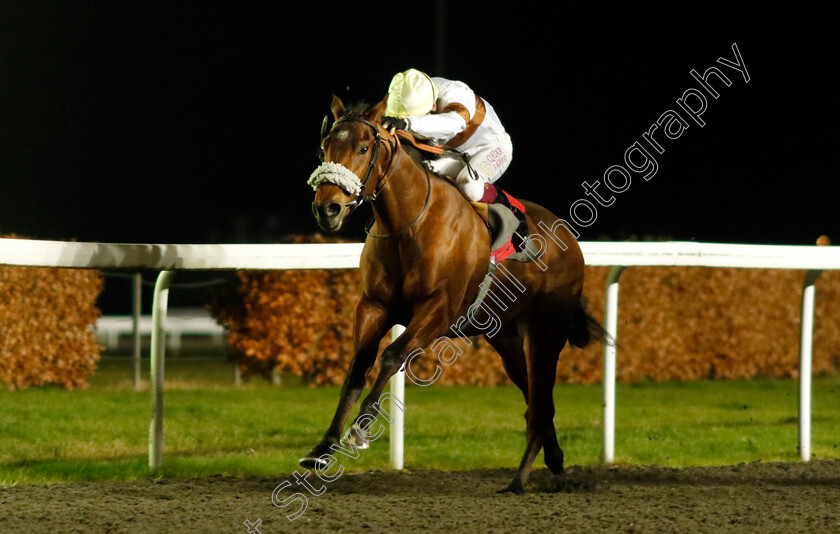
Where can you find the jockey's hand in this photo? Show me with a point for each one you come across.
(390, 123)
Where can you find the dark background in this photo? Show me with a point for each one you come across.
(198, 121)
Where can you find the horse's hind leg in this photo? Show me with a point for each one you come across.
(552, 451)
(509, 344)
(542, 346)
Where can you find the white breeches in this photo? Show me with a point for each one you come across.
(489, 161)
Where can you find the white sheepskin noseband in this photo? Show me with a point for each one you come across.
(338, 174)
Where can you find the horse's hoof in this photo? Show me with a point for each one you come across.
(359, 444)
(356, 438)
(314, 457)
(513, 487)
(313, 463)
(554, 461)
(556, 467)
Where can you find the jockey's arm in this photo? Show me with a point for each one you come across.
(437, 126)
(456, 103)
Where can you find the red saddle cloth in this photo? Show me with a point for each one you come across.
(500, 254)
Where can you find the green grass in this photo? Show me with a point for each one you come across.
(212, 427)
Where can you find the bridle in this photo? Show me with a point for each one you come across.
(396, 154)
(374, 158)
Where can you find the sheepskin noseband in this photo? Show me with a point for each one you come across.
(338, 174)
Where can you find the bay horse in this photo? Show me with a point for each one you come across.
(422, 264)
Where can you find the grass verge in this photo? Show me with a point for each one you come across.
(214, 427)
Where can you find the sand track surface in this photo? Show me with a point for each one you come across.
(757, 497)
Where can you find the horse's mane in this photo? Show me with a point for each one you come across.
(418, 155)
(357, 108)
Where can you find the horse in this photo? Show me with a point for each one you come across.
(422, 266)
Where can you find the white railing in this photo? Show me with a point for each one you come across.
(812, 259)
(187, 322)
(167, 259)
(170, 258)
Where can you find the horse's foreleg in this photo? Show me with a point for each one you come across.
(422, 330)
(371, 323)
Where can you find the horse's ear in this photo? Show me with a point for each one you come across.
(337, 107)
(378, 110)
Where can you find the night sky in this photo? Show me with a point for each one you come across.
(198, 121)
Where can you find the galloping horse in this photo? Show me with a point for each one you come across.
(422, 265)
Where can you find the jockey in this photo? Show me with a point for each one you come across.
(448, 113)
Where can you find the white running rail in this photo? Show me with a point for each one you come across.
(167, 259)
(110, 328)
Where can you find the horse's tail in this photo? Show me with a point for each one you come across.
(586, 329)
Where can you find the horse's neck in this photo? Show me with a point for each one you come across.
(403, 198)
(451, 237)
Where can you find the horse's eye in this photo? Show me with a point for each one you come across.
(363, 150)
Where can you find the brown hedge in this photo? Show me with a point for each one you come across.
(684, 323)
(674, 324)
(46, 318)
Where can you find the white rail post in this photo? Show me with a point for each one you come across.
(806, 334)
(397, 425)
(611, 327)
(159, 304)
(136, 310)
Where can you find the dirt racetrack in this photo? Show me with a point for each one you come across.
(758, 497)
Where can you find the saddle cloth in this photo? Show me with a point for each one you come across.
(508, 229)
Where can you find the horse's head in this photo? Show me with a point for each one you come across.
(355, 159)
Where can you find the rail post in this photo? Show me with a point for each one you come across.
(806, 338)
(398, 424)
(158, 351)
(136, 310)
(608, 380)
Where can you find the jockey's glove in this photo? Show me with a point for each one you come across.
(394, 122)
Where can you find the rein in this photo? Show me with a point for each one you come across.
(439, 150)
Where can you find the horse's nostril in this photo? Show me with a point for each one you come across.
(332, 209)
